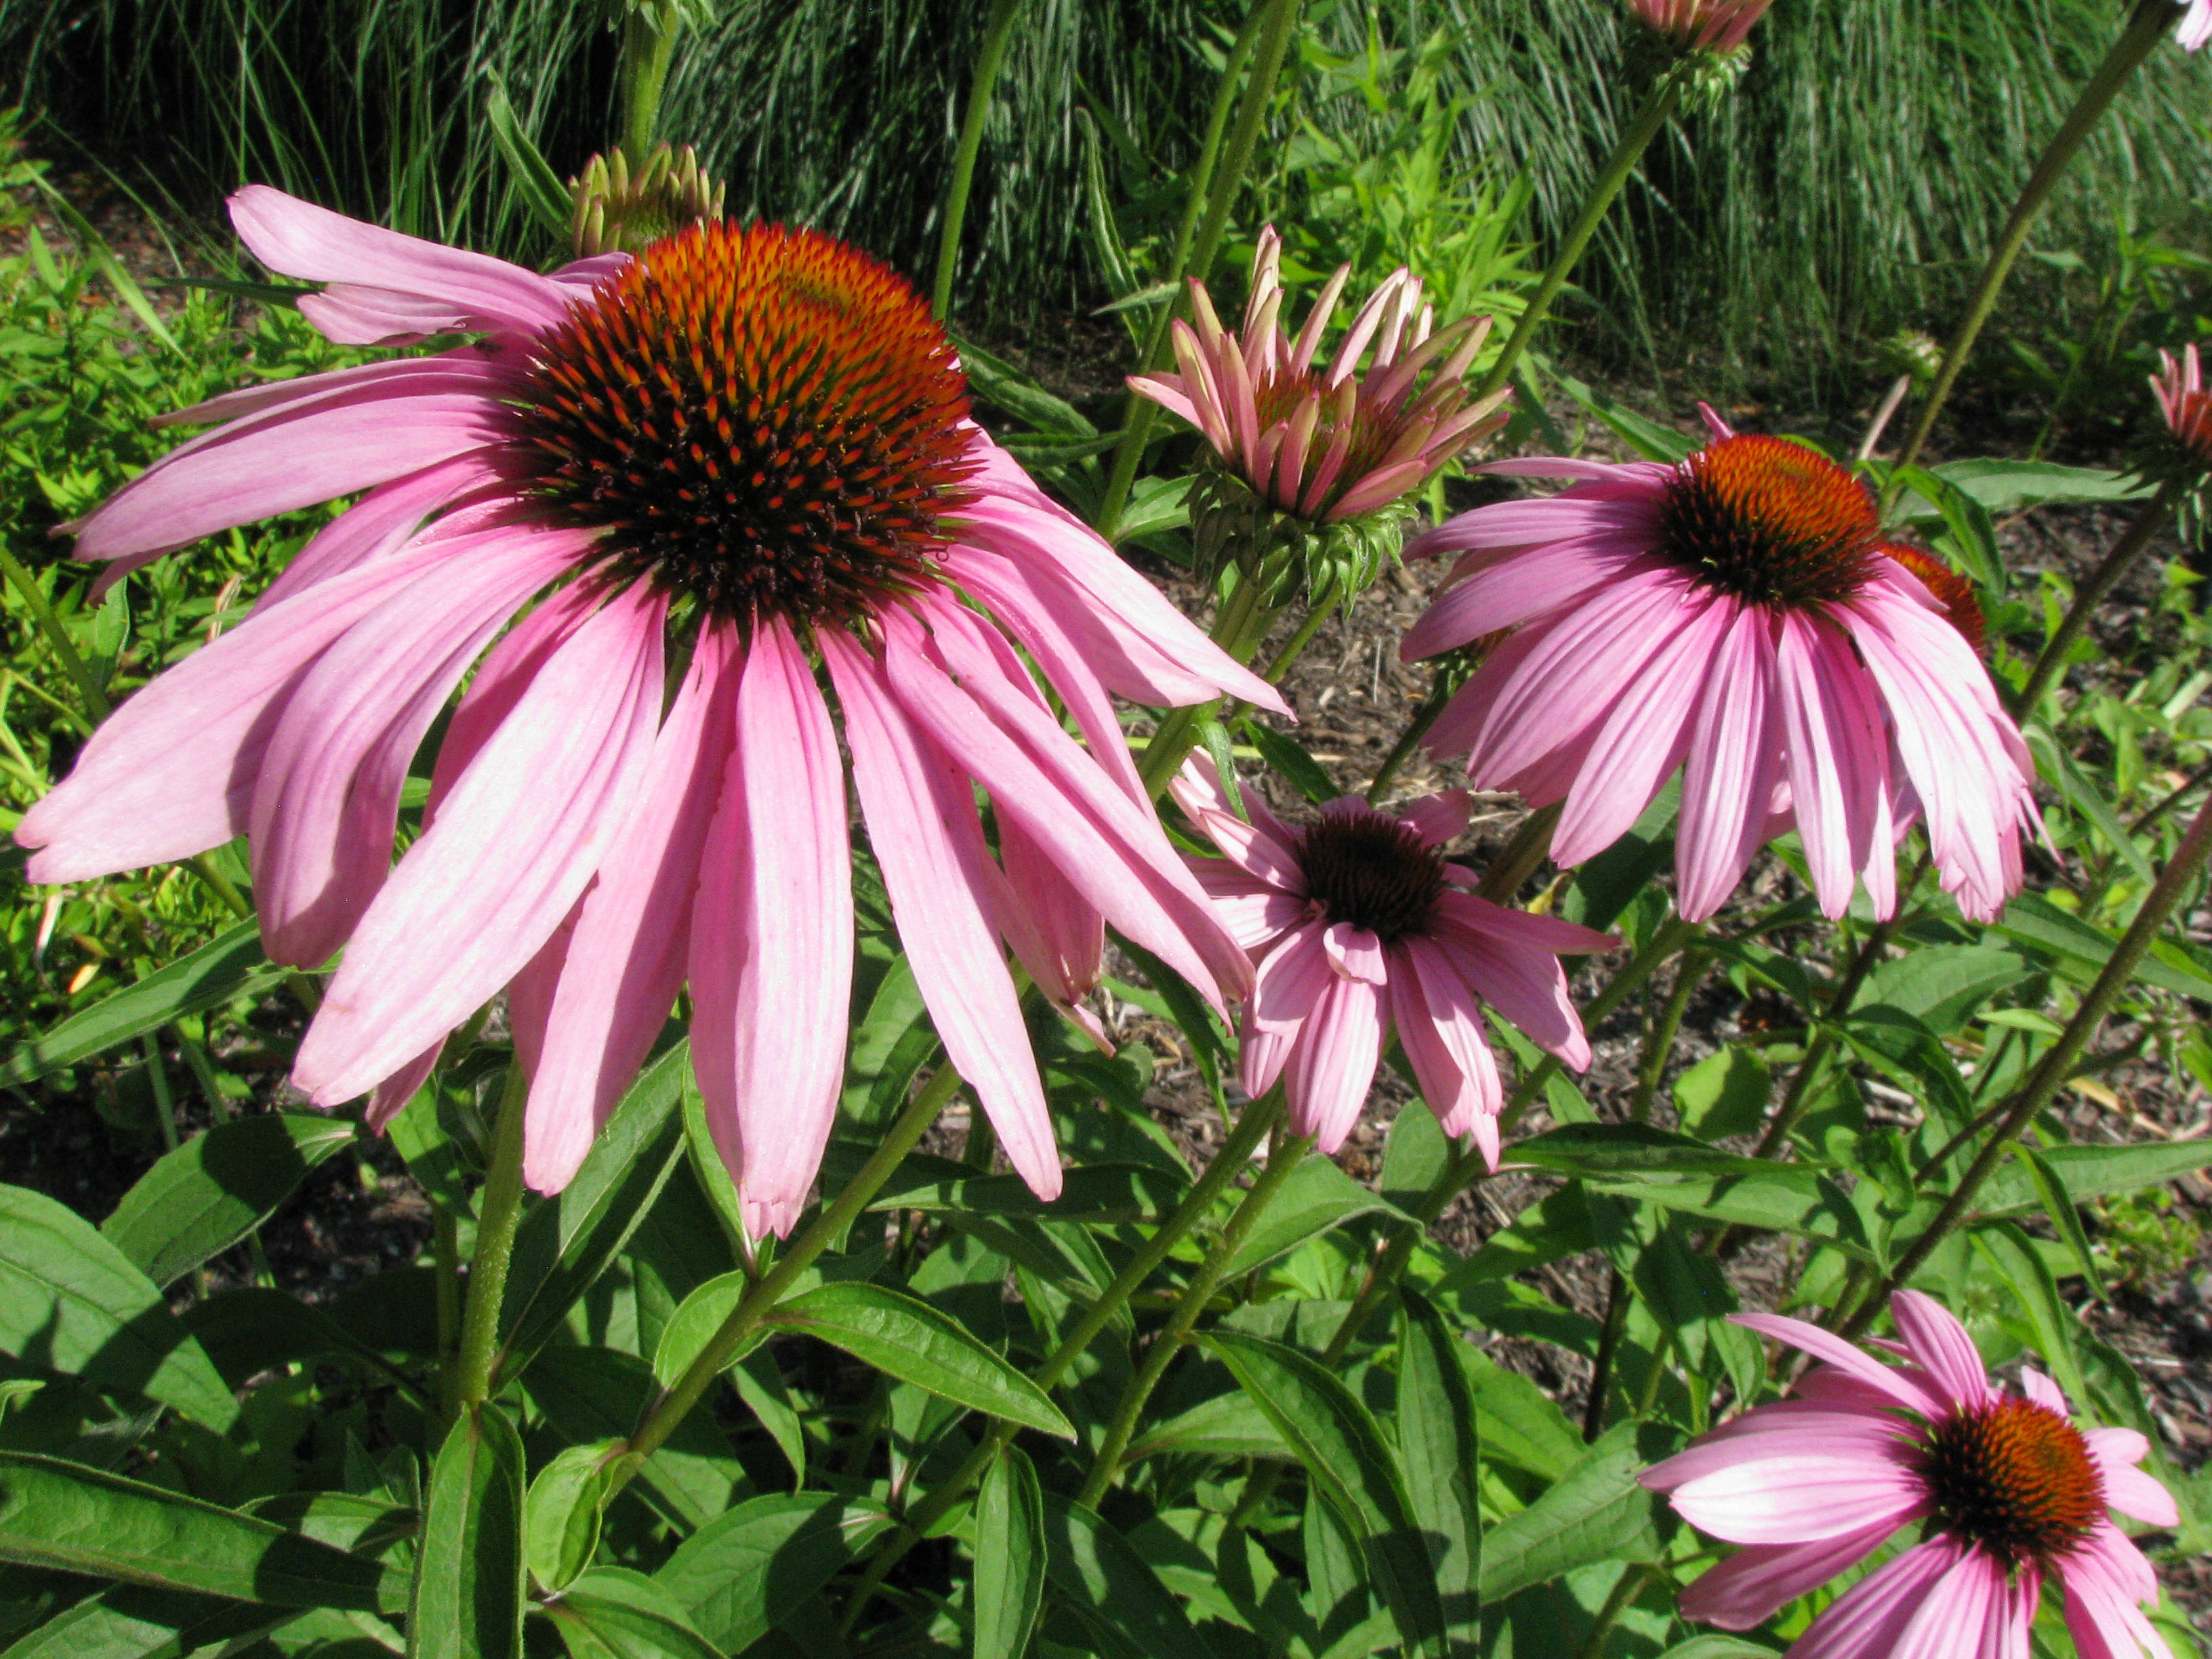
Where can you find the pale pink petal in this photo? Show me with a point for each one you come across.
(1354, 953)
(2111, 1447)
(634, 931)
(1748, 1588)
(1838, 754)
(911, 814)
(1254, 917)
(1290, 978)
(1440, 1024)
(2133, 1491)
(1437, 819)
(390, 1098)
(772, 950)
(508, 853)
(1729, 775)
(1789, 1428)
(1520, 930)
(1943, 1348)
(380, 522)
(1909, 1388)
(171, 772)
(1866, 1621)
(1056, 935)
(1333, 1062)
(1523, 983)
(326, 801)
(1263, 847)
(1802, 1498)
(1572, 516)
(297, 239)
(1954, 1617)
(529, 999)
(1643, 477)
(1511, 590)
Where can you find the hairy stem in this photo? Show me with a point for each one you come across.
(498, 1212)
(996, 32)
(648, 43)
(1659, 1041)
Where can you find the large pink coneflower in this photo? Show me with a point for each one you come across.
(1326, 444)
(1737, 616)
(1356, 923)
(1701, 25)
(694, 483)
(2004, 1489)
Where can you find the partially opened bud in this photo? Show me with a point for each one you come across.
(1700, 25)
(621, 212)
(2183, 457)
(1312, 466)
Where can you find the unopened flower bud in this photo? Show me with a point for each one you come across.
(618, 211)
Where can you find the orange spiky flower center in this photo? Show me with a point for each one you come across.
(1771, 522)
(1371, 870)
(762, 421)
(1952, 591)
(2016, 1478)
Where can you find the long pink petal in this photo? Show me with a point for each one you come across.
(633, 934)
(508, 853)
(1838, 754)
(1954, 1617)
(911, 813)
(171, 772)
(1332, 1063)
(389, 1098)
(1525, 984)
(1510, 590)
(2138, 1495)
(1800, 1498)
(1520, 930)
(1866, 1621)
(772, 953)
(1748, 1587)
(1940, 1343)
(1728, 777)
(1904, 1388)
(1262, 847)
(380, 522)
(1440, 1024)
(298, 239)
(1292, 978)
(1571, 517)
(326, 802)
(530, 999)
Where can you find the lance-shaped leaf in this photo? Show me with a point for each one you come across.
(1316, 1198)
(1120, 1601)
(1594, 1512)
(136, 1621)
(756, 1565)
(611, 1612)
(210, 1193)
(1440, 1444)
(1010, 1555)
(468, 1597)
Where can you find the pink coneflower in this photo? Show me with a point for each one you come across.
(2179, 386)
(1738, 616)
(1356, 923)
(1703, 25)
(700, 479)
(1327, 445)
(2004, 1488)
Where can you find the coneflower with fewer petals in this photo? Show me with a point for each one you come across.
(1700, 25)
(2005, 1490)
(1324, 446)
(1738, 616)
(1358, 923)
(737, 461)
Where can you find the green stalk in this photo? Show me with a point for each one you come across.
(1658, 104)
(1659, 1041)
(1289, 1152)
(499, 1213)
(2051, 662)
(648, 42)
(2056, 1065)
(1243, 623)
(1228, 1160)
(2152, 18)
(1530, 846)
(1277, 17)
(676, 1401)
(65, 648)
(1417, 728)
(996, 32)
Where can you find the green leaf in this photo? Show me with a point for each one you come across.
(252, 1329)
(1712, 1645)
(566, 1242)
(611, 1612)
(468, 1598)
(2002, 486)
(1519, 1423)
(1318, 1198)
(1010, 1555)
(2058, 769)
(1345, 1455)
(68, 1518)
(1595, 1512)
(94, 248)
(1004, 386)
(2021, 1266)
(914, 1342)
(1602, 1151)
(135, 1621)
(537, 186)
(210, 1193)
(1608, 883)
(2035, 921)
(2065, 1216)
(1229, 1426)
(599, 1393)
(1292, 759)
(561, 1513)
(230, 965)
(760, 1384)
(1440, 1444)
(1943, 985)
(1971, 538)
(2093, 1171)
(1650, 441)
(892, 1038)
(749, 1568)
(695, 1321)
(72, 1302)
(1092, 1192)
(1113, 1589)
(1724, 1094)
(1414, 1158)
(1556, 1225)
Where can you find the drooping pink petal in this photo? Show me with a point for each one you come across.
(772, 971)
(326, 800)
(1523, 983)
(1437, 819)
(2127, 1489)
(1784, 1429)
(911, 813)
(1354, 953)
(378, 524)
(389, 1098)
(1440, 1024)
(1866, 1621)
(1728, 777)
(1956, 1612)
(1911, 1390)
(1941, 1344)
(171, 772)
(634, 931)
(1521, 930)
(1055, 934)
(529, 998)
(1333, 1062)
(1748, 1588)
(298, 239)
(508, 854)
(1262, 847)
(1290, 978)
(1511, 590)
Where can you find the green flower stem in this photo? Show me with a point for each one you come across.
(1659, 1041)
(1673, 935)
(1617, 1299)
(1276, 19)
(1432, 706)
(1626, 1589)
(2056, 1065)
(64, 647)
(1242, 624)
(648, 43)
(996, 33)
(1290, 1152)
(1530, 846)
(2152, 18)
(499, 1213)
(1231, 1158)
(677, 1399)
(1658, 104)
(2052, 663)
